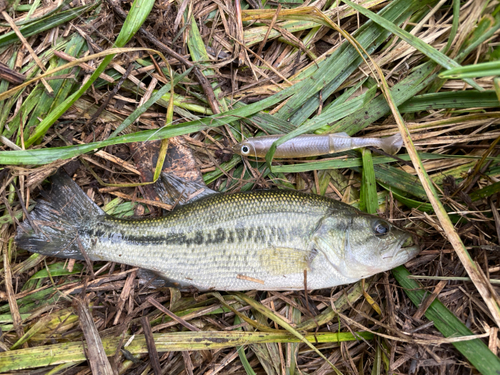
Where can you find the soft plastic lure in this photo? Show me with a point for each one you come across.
(306, 145)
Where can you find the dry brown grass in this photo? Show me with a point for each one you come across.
(252, 54)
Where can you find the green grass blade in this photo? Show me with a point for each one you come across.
(57, 269)
(157, 95)
(485, 69)
(484, 30)
(292, 349)
(485, 192)
(377, 362)
(336, 68)
(378, 107)
(496, 86)
(138, 13)
(476, 351)
(401, 196)
(415, 42)
(8, 219)
(269, 123)
(354, 161)
(370, 36)
(46, 24)
(31, 101)
(165, 342)
(199, 54)
(4, 85)
(33, 7)
(53, 320)
(61, 87)
(454, 25)
(452, 99)
(48, 155)
(241, 352)
(244, 361)
(400, 179)
(369, 199)
(335, 113)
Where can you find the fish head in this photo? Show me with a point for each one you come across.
(245, 148)
(364, 245)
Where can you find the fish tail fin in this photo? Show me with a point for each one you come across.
(392, 145)
(56, 220)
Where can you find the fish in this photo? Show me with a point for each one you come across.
(307, 145)
(255, 240)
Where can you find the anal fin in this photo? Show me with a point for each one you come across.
(154, 280)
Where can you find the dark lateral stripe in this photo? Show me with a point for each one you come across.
(251, 234)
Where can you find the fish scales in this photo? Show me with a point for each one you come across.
(216, 241)
(262, 240)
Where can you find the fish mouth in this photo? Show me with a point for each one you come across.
(411, 245)
(408, 249)
(411, 250)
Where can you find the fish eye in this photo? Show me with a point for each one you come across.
(381, 228)
(245, 149)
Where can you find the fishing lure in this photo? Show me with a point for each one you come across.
(306, 145)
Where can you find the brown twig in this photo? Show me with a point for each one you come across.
(172, 315)
(207, 88)
(11, 75)
(88, 262)
(271, 25)
(83, 65)
(165, 206)
(110, 95)
(27, 45)
(96, 354)
(25, 211)
(150, 343)
(427, 302)
(124, 295)
(14, 309)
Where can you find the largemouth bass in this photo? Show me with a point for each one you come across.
(306, 145)
(262, 240)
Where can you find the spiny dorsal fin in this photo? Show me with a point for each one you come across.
(181, 181)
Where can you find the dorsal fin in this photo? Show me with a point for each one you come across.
(177, 190)
(180, 182)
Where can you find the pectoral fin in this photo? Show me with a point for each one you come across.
(286, 260)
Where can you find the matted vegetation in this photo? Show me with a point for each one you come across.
(100, 76)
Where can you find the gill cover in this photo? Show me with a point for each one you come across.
(360, 245)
